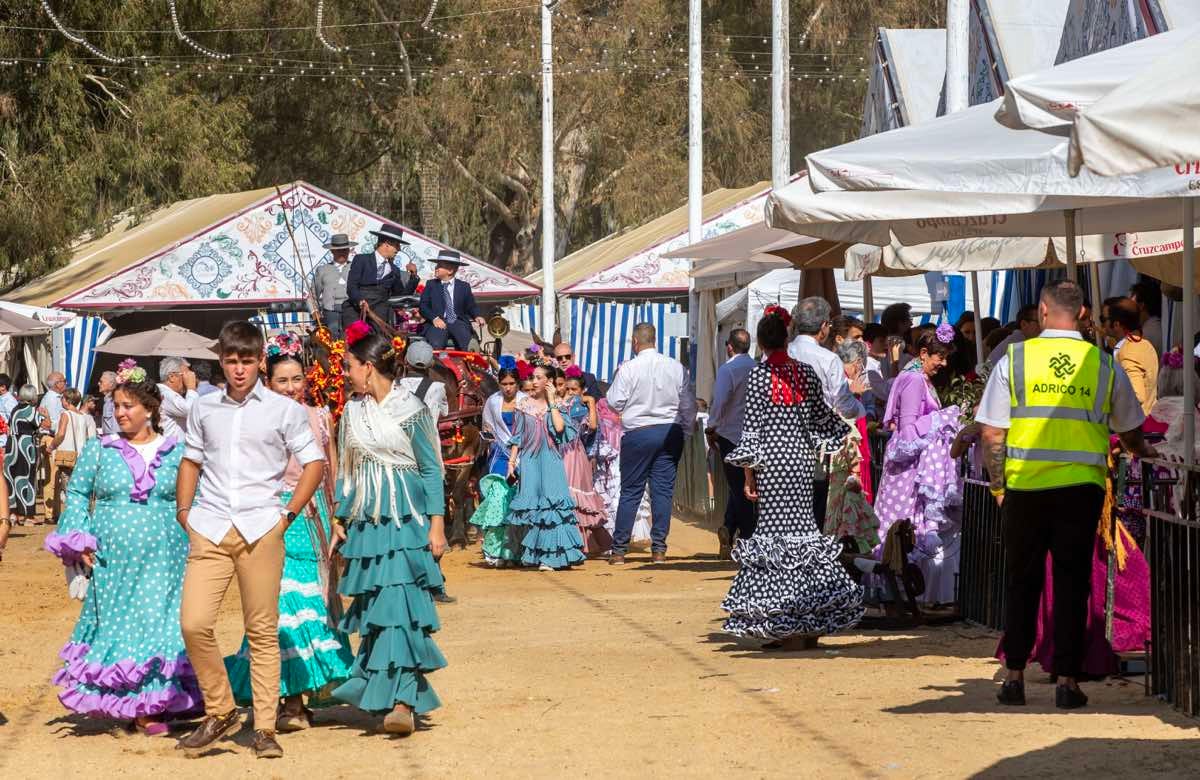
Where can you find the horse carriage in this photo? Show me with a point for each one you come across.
(467, 376)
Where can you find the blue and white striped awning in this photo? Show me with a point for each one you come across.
(79, 339)
(599, 331)
(279, 320)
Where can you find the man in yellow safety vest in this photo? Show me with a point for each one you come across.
(1046, 413)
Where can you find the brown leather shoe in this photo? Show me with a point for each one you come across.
(211, 729)
(659, 556)
(616, 560)
(265, 745)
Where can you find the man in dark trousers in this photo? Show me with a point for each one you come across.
(1046, 414)
(374, 278)
(724, 432)
(448, 305)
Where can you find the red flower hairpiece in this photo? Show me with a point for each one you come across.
(778, 311)
(356, 332)
(574, 372)
(524, 370)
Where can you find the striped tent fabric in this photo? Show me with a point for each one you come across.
(278, 320)
(80, 337)
(599, 331)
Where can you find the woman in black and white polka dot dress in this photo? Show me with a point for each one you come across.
(791, 587)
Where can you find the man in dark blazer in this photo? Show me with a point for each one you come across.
(448, 305)
(374, 278)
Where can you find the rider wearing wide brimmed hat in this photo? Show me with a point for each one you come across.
(374, 277)
(448, 304)
(329, 282)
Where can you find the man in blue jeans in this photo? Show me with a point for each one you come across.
(724, 431)
(654, 397)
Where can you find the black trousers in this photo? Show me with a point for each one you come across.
(820, 501)
(1061, 522)
(740, 517)
(458, 332)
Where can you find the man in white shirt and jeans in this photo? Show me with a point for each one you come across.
(654, 397)
(811, 318)
(236, 449)
(177, 383)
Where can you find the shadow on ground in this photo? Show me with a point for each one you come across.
(1080, 757)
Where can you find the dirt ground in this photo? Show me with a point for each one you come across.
(618, 672)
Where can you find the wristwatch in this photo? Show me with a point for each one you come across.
(291, 517)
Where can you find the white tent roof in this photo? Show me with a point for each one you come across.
(907, 70)
(1010, 38)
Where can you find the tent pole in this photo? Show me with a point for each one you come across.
(1094, 277)
(549, 315)
(1069, 217)
(695, 174)
(978, 318)
(1189, 327)
(868, 300)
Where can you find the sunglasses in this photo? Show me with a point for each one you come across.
(567, 356)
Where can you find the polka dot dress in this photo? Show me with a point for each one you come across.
(790, 581)
(126, 657)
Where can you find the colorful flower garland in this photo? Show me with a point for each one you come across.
(328, 387)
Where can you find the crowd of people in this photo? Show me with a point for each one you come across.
(175, 487)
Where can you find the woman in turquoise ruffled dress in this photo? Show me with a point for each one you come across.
(391, 498)
(313, 653)
(125, 659)
(543, 506)
(501, 547)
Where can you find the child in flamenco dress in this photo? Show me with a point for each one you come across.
(590, 509)
(313, 653)
(501, 542)
(391, 500)
(542, 507)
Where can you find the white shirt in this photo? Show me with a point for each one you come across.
(243, 450)
(1016, 337)
(174, 412)
(382, 267)
(52, 403)
(653, 389)
(729, 398)
(8, 402)
(829, 368)
(996, 404)
(435, 395)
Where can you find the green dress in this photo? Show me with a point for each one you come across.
(390, 484)
(312, 652)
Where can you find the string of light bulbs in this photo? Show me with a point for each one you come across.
(181, 35)
(321, 31)
(79, 39)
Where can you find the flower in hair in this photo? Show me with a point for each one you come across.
(356, 331)
(398, 345)
(284, 344)
(129, 371)
(945, 333)
(1173, 359)
(524, 370)
(508, 363)
(574, 372)
(778, 311)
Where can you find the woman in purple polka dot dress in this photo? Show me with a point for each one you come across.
(920, 481)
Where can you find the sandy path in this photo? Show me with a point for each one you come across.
(604, 672)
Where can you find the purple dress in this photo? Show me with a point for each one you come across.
(920, 481)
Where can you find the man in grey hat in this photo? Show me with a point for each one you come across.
(448, 304)
(329, 283)
(374, 278)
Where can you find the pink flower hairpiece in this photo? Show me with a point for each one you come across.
(284, 344)
(1173, 359)
(780, 312)
(573, 372)
(129, 371)
(945, 333)
(356, 331)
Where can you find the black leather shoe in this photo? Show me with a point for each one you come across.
(266, 746)
(442, 597)
(1012, 693)
(1069, 698)
(211, 729)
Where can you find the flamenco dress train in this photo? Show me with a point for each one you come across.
(790, 581)
(391, 483)
(125, 658)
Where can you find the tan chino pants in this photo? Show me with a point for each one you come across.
(210, 569)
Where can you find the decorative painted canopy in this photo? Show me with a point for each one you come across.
(246, 256)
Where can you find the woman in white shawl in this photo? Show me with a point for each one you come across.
(391, 499)
(501, 543)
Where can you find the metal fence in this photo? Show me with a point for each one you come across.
(981, 563)
(1172, 549)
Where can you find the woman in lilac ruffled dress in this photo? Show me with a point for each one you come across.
(125, 660)
(920, 480)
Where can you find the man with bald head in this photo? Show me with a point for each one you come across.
(564, 358)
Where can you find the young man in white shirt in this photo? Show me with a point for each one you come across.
(654, 397)
(237, 446)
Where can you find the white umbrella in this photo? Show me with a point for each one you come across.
(1148, 122)
(1052, 97)
(167, 341)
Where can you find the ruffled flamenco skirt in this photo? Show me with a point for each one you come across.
(590, 509)
(544, 512)
(390, 575)
(790, 586)
(501, 541)
(312, 652)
